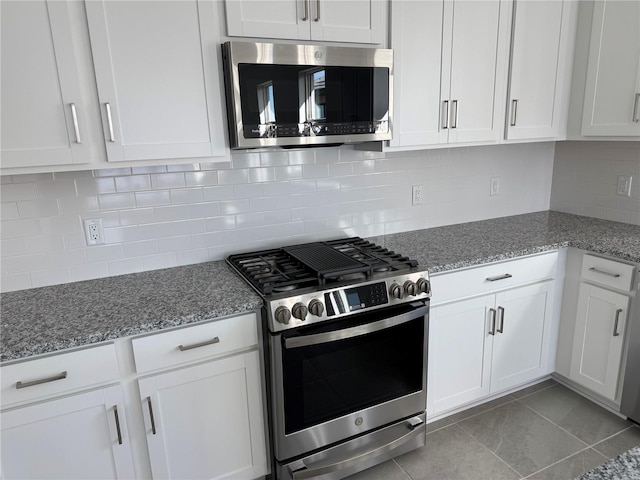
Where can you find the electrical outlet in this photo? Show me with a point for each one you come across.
(624, 185)
(417, 198)
(495, 186)
(93, 231)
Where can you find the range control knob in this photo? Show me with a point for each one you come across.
(395, 290)
(283, 315)
(299, 311)
(424, 286)
(410, 288)
(316, 307)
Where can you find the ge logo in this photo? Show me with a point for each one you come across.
(318, 55)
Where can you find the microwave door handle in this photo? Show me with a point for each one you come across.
(326, 337)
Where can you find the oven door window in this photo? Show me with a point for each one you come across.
(329, 380)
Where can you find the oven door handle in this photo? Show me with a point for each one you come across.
(318, 338)
(415, 426)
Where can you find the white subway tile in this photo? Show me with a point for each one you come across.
(204, 210)
(111, 172)
(109, 218)
(38, 208)
(5, 179)
(261, 175)
(57, 189)
(233, 177)
(163, 260)
(100, 253)
(245, 160)
(327, 184)
(117, 201)
(168, 180)
(343, 221)
(201, 179)
(79, 205)
(315, 226)
(45, 243)
(220, 223)
(288, 172)
(277, 216)
(226, 165)
(12, 246)
(204, 240)
(20, 228)
(189, 257)
(11, 283)
(149, 170)
(9, 211)
(45, 278)
(186, 195)
(171, 213)
(340, 169)
(73, 240)
(18, 192)
(140, 249)
(122, 234)
(252, 190)
(65, 258)
(124, 267)
(283, 230)
(315, 171)
(302, 186)
(133, 183)
(276, 188)
(184, 167)
(264, 203)
(95, 186)
(327, 155)
(272, 159)
(73, 175)
(32, 178)
(174, 244)
(137, 216)
(234, 206)
(301, 157)
(152, 199)
(222, 192)
(88, 271)
(25, 263)
(245, 220)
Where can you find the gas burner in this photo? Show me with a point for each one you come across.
(385, 268)
(285, 288)
(352, 276)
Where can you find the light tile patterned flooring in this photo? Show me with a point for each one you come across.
(542, 432)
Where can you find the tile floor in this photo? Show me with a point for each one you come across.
(542, 432)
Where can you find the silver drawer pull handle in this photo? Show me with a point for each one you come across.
(115, 414)
(635, 108)
(615, 324)
(153, 422)
(614, 275)
(317, 11)
(514, 112)
(445, 116)
(214, 340)
(501, 313)
(112, 137)
(306, 11)
(454, 121)
(499, 277)
(76, 127)
(492, 311)
(60, 376)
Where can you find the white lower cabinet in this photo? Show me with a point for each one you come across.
(81, 436)
(206, 421)
(488, 344)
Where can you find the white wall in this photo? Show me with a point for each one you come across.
(166, 216)
(585, 179)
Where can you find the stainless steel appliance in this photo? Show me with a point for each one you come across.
(630, 401)
(345, 334)
(302, 95)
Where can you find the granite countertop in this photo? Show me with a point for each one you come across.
(623, 467)
(48, 319)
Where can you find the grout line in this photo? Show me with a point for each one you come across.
(608, 438)
(400, 467)
(559, 461)
(554, 424)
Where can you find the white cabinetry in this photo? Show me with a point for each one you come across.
(450, 70)
(612, 92)
(600, 325)
(360, 21)
(204, 420)
(480, 345)
(541, 57)
(78, 436)
(156, 68)
(43, 113)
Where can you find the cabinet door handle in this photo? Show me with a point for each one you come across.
(445, 116)
(153, 422)
(317, 11)
(492, 311)
(615, 323)
(501, 313)
(635, 108)
(213, 341)
(40, 381)
(76, 127)
(498, 277)
(602, 272)
(514, 112)
(306, 10)
(112, 137)
(115, 415)
(454, 107)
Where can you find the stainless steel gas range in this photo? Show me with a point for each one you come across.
(345, 339)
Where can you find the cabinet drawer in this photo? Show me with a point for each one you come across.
(607, 272)
(57, 374)
(189, 344)
(492, 277)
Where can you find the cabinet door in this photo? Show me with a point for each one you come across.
(598, 339)
(417, 72)
(206, 421)
(612, 89)
(40, 94)
(156, 65)
(476, 41)
(533, 96)
(519, 353)
(273, 19)
(359, 21)
(458, 365)
(77, 437)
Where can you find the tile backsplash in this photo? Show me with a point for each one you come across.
(158, 217)
(585, 179)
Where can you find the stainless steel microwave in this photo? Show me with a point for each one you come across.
(305, 95)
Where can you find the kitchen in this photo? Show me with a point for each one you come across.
(165, 213)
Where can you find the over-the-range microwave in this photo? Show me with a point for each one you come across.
(281, 95)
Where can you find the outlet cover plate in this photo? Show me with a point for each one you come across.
(93, 231)
(495, 186)
(416, 195)
(624, 185)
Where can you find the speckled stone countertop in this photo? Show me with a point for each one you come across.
(623, 467)
(48, 319)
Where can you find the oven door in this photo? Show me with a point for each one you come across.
(341, 379)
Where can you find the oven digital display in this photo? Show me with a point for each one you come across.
(366, 296)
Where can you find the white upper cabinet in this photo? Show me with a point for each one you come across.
(541, 58)
(42, 109)
(612, 91)
(450, 71)
(156, 67)
(358, 21)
